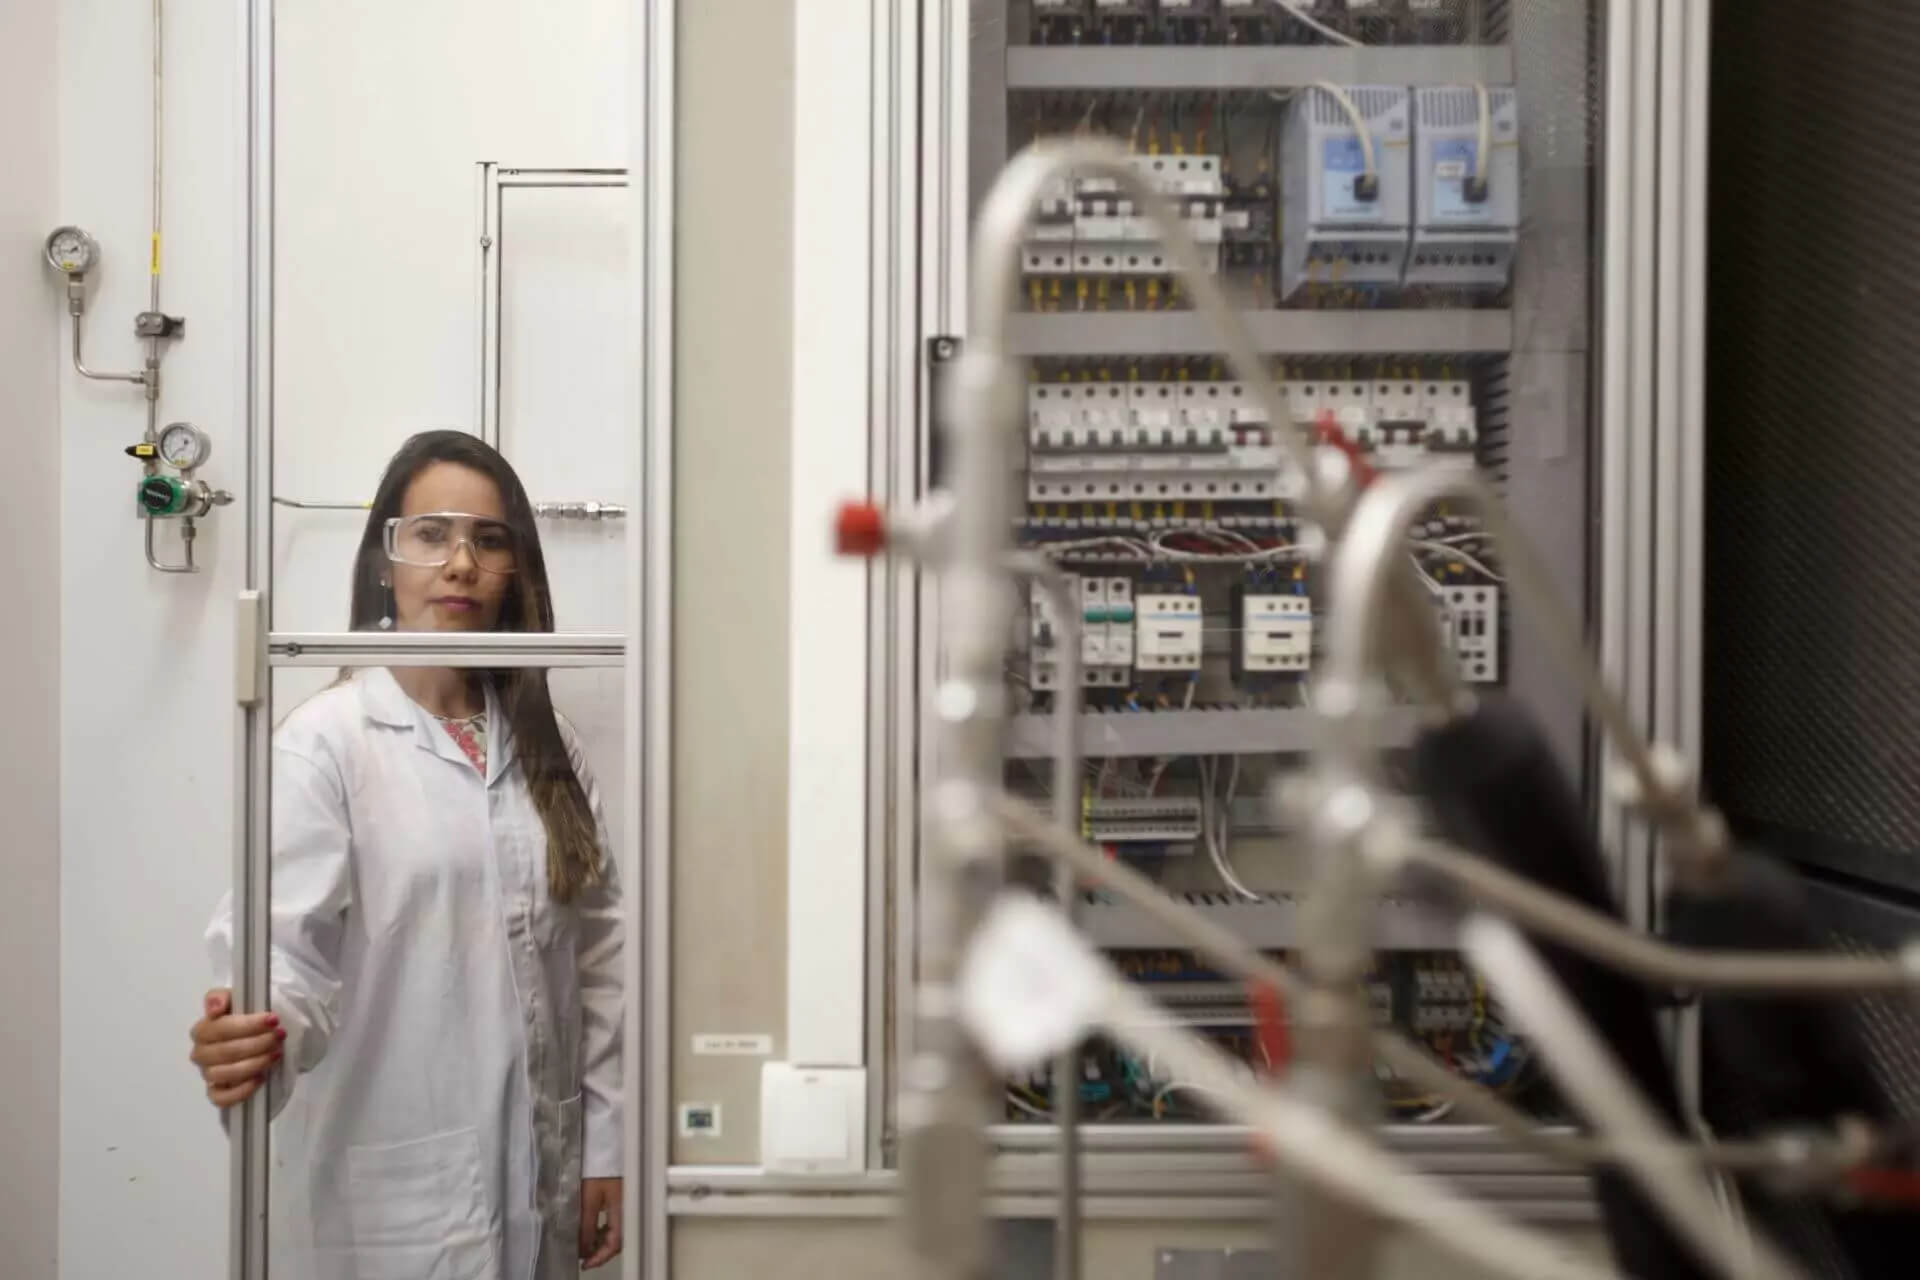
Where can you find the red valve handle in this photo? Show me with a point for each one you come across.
(860, 529)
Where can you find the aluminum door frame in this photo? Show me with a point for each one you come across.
(645, 653)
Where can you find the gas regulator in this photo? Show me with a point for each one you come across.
(184, 447)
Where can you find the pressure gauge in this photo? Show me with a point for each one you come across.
(184, 446)
(71, 251)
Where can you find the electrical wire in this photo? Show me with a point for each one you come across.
(1026, 1108)
(1481, 160)
(1471, 561)
(1215, 828)
(1308, 20)
(1172, 1087)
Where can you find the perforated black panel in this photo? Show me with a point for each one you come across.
(1812, 639)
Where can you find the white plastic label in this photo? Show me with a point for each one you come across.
(1029, 985)
(733, 1046)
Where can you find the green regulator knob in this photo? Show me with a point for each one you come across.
(162, 496)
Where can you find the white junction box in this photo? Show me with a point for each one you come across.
(1336, 231)
(1167, 633)
(813, 1120)
(1471, 624)
(1277, 633)
(1466, 204)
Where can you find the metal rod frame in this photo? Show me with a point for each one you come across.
(647, 660)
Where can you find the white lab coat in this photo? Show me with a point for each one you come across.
(452, 1061)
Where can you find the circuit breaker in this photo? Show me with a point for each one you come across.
(1453, 430)
(1087, 226)
(1168, 633)
(1344, 188)
(1467, 187)
(1106, 633)
(1114, 619)
(1397, 424)
(1420, 422)
(1158, 441)
(1471, 625)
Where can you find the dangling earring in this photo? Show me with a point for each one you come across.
(386, 620)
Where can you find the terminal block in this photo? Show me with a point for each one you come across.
(1170, 820)
(1470, 621)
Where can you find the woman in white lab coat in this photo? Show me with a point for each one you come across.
(442, 1050)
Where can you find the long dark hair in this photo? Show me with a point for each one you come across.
(573, 839)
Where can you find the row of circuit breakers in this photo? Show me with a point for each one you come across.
(1125, 634)
(1210, 441)
(1382, 188)
(1195, 19)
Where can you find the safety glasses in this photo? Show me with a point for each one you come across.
(431, 539)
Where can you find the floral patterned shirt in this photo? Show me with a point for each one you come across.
(470, 732)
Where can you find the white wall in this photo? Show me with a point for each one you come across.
(29, 648)
(384, 110)
(146, 756)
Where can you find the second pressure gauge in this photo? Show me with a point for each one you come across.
(184, 446)
(71, 251)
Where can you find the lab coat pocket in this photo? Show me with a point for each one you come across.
(418, 1211)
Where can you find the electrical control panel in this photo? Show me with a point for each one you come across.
(1471, 621)
(1345, 188)
(1168, 636)
(1466, 187)
(1153, 473)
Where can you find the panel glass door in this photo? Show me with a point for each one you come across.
(450, 464)
(1401, 194)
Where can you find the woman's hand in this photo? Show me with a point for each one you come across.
(235, 1051)
(599, 1240)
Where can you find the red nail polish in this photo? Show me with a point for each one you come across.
(277, 1055)
(273, 1019)
(282, 1033)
